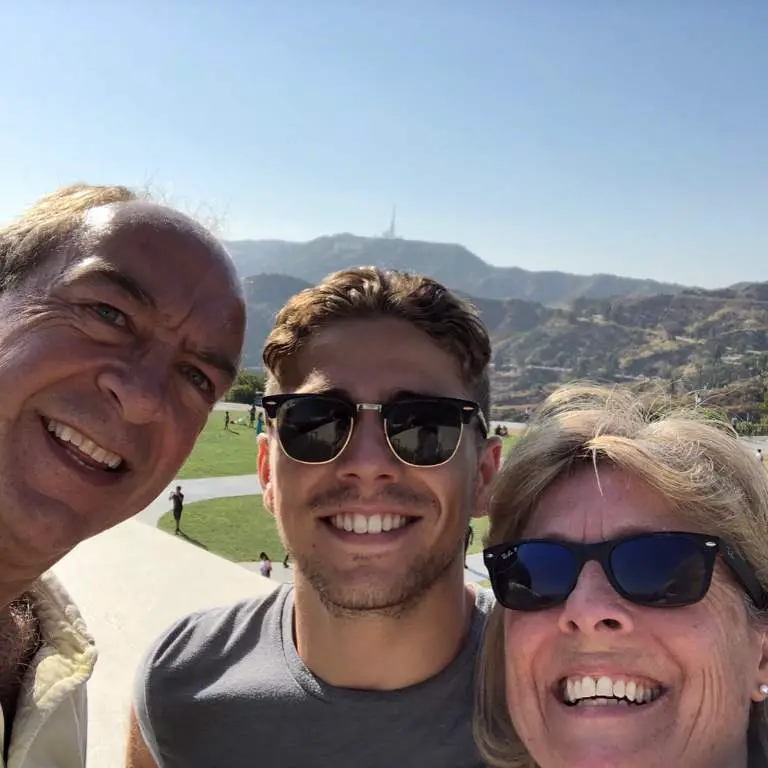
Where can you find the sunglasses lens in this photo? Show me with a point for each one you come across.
(662, 570)
(313, 429)
(424, 432)
(538, 575)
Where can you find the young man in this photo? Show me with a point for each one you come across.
(376, 456)
(121, 324)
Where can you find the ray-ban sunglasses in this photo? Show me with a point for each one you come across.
(656, 570)
(421, 431)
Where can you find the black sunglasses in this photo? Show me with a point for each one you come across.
(420, 431)
(657, 570)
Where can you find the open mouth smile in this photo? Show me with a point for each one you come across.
(604, 691)
(369, 524)
(84, 450)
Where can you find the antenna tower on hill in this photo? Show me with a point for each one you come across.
(391, 233)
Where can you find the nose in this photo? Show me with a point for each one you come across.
(594, 607)
(139, 391)
(367, 457)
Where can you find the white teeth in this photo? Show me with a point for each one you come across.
(603, 690)
(604, 687)
(374, 524)
(588, 688)
(88, 447)
(361, 524)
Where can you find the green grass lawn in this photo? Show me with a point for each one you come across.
(509, 444)
(236, 527)
(239, 528)
(221, 453)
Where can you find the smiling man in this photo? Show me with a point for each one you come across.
(121, 324)
(377, 454)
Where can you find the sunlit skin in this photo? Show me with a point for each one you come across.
(708, 657)
(414, 578)
(129, 338)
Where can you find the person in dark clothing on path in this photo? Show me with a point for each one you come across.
(177, 497)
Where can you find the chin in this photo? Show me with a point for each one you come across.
(47, 528)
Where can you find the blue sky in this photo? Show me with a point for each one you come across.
(589, 136)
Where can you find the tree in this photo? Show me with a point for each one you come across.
(248, 388)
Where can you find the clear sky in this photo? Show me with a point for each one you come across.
(588, 136)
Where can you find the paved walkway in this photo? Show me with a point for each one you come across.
(200, 489)
(206, 488)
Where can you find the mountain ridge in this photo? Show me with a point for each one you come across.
(450, 263)
(694, 339)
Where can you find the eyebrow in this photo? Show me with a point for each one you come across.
(217, 360)
(101, 272)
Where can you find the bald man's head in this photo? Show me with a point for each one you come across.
(63, 217)
(121, 324)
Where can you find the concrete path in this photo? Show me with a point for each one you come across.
(131, 583)
(200, 489)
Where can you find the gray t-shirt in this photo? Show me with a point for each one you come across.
(226, 688)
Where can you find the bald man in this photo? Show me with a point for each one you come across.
(121, 324)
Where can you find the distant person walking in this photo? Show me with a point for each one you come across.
(469, 537)
(177, 497)
(260, 423)
(265, 566)
(226, 419)
(759, 455)
(252, 416)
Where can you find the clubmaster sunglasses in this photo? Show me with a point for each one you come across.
(420, 431)
(657, 570)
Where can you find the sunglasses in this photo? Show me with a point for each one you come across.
(420, 431)
(656, 570)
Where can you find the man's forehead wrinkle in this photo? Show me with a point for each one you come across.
(147, 234)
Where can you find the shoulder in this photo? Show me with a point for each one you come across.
(202, 643)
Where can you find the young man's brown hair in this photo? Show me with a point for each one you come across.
(369, 292)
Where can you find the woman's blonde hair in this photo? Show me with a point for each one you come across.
(690, 455)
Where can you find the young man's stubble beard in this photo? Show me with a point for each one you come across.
(401, 596)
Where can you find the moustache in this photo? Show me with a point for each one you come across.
(396, 495)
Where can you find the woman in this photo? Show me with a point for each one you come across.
(628, 551)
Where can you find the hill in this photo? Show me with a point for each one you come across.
(264, 296)
(453, 265)
(692, 340)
